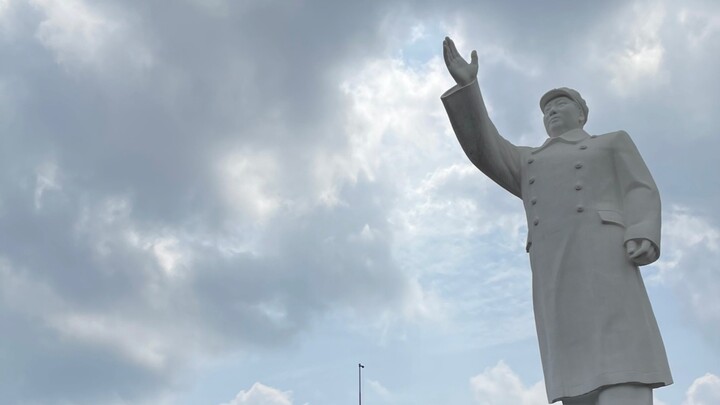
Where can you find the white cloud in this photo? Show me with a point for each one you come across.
(389, 111)
(379, 389)
(491, 54)
(417, 32)
(458, 199)
(10, 23)
(46, 179)
(699, 24)
(396, 141)
(684, 233)
(691, 251)
(631, 50)
(248, 180)
(168, 254)
(109, 223)
(139, 343)
(389, 129)
(137, 340)
(492, 51)
(21, 293)
(449, 220)
(704, 390)
(81, 35)
(260, 394)
(499, 385)
(397, 127)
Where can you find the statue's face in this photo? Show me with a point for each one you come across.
(562, 114)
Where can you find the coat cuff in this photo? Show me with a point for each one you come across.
(458, 88)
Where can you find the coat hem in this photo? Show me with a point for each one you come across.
(654, 380)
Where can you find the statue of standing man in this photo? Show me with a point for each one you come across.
(593, 215)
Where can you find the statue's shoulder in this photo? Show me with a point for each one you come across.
(615, 137)
(612, 135)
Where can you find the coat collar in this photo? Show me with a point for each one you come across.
(572, 137)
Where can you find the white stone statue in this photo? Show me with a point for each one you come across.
(593, 214)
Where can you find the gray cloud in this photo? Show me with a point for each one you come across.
(110, 162)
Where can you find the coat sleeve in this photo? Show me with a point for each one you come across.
(499, 159)
(641, 199)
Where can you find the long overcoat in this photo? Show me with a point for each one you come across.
(584, 197)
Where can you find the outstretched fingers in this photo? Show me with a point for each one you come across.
(459, 69)
(449, 50)
(453, 49)
(446, 53)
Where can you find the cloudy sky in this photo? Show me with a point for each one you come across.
(235, 202)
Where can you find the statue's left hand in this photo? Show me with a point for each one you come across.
(641, 251)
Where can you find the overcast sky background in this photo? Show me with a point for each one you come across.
(235, 202)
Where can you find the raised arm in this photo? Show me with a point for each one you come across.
(483, 145)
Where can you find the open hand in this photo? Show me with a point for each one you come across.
(464, 73)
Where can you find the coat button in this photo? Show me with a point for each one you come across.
(536, 221)
(533, 201)
(583, 147)
(578, 187)
(532, 180)
(580, 208)
(578, 165)
(531, 160)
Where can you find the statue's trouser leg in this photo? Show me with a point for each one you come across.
(587, 399)
(630, 394)
(621, 394)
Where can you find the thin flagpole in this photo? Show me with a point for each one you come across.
(360, 367)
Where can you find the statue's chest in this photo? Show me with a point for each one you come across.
(562, 164)
(565, 178)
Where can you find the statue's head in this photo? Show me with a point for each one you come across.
(563, 110)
